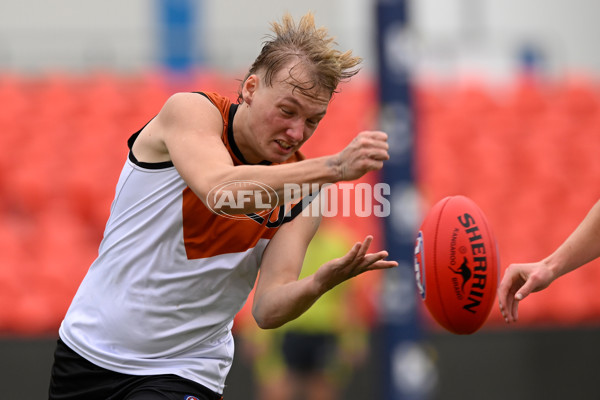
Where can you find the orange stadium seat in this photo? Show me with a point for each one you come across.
(13, 97)
(55, 97)
(527, 98)
(578, 97)
(147, 95)
(12, 261)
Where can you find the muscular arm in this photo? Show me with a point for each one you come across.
(188, 131)
(519, 280)
(280, 297)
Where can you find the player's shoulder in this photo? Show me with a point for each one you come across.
(188, 107)
(186, 100)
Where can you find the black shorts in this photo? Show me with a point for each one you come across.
(306, 353)
(73, 377)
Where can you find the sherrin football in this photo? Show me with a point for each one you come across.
(456, 264)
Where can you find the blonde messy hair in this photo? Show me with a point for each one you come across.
(312, 47)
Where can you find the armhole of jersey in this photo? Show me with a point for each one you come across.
(150, 165)
(142, 164)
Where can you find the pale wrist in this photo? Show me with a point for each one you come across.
(317, 288)
(334, 166)
(555, 266)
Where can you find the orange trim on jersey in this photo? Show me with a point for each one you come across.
(207, 234)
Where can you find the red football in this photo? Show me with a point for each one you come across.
(456, 264)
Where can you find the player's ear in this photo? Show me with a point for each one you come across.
(249, 88)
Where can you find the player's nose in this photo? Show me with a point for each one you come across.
(295, 131)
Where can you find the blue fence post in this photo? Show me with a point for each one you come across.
(406, 367)
(177, 22)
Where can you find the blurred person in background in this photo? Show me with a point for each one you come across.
(312, 357)
(520, 280)
(152, 318)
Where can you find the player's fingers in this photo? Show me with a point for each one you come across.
(373, 258)
(525, 290)
(374, 144)
(373, 261)
(382, 264)
(502, 294)
(506, 308)
(501, 303)
(351, 254)
(514, 311)
(380, 136)
(375, 135)
(507, 302)
(379, 144)
(380, 155)
(364, 247)
(510, 284)
(504, 298)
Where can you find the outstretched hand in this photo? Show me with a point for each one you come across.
(518, 282)
(353, 263)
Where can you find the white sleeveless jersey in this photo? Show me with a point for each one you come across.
(169, 278)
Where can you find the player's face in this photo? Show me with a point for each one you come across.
(281, 119)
